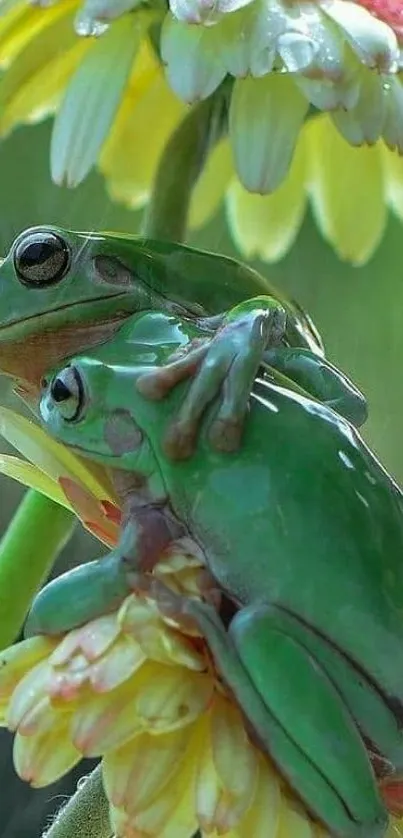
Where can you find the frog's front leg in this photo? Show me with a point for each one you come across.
(296, 713)
(226, 363)
(98, 587)
(320, 380)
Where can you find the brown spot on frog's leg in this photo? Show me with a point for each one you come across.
(122, 434)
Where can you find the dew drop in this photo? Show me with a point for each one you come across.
(88, 26)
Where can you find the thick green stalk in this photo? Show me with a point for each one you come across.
(86, 815)
(34, 538)
(181, 165)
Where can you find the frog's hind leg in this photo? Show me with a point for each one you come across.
(298, 716)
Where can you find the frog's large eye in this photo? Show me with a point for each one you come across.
(67, 391)
(41, 258)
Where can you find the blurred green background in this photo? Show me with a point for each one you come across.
(358, 311)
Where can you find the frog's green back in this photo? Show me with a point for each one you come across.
(303, 515)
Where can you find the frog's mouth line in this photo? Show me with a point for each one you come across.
(49, 318)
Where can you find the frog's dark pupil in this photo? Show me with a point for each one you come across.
(41, 259)
(60, 392)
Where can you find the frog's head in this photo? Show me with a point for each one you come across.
(52, 278)
(77, 407)
(62, 291)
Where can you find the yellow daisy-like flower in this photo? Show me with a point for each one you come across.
(133, 689)
(117, 106)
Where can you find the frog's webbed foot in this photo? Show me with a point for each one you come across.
(225, 364)
(98, 587)
(297, 714)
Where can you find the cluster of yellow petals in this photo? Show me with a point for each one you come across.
(131, 688)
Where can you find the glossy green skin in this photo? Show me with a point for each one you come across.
(136, 274)
(303, 531)
(108, 278)
(51, 314)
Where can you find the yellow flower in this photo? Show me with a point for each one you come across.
(137, 692)
(117, 108)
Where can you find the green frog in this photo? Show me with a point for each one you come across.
(301, 533)
(62, 292)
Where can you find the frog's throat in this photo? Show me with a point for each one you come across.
(82, 311)
(29, 358)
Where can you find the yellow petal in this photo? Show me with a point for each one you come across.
(40, 95)
(141, 619)
(93, 640)
(293, 821)
(228, 737)
(31, 476)
(395, 829)
(210, 188)
(109, 720)
(51, 457)
(55, 36)
(393, 174)
(146, 118)
(16, 661)
(266, 226)
(346, 190)
(173, 698)
(153, 819)
(28, 693)
(136, 773)
(21, 26)
(263, 816)
(42, 759)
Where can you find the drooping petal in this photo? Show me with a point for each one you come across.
(228, 737)
(16, 661)
(393, 178)
(55, 37)
(393, 125)
(148, 114)
(136, 773)
(31, 476)
(266, 226)
(262, 820)
(94, 15)
(210, 188)
(191, 55)
(51, 457)
(28, 694)
(43, 758)
(364, 122)
(92, 100)
(204, 11)
(373, 41)
(347, 191)
(159, 642)
(174, 700)
(266, 115)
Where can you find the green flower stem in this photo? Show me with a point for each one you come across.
(86, 815)
(180, 166)
(34, 538)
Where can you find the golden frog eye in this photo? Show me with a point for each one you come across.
(41, 258)
(67, 392)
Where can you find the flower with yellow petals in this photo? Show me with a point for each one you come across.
(119, 96)
(134, 690)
